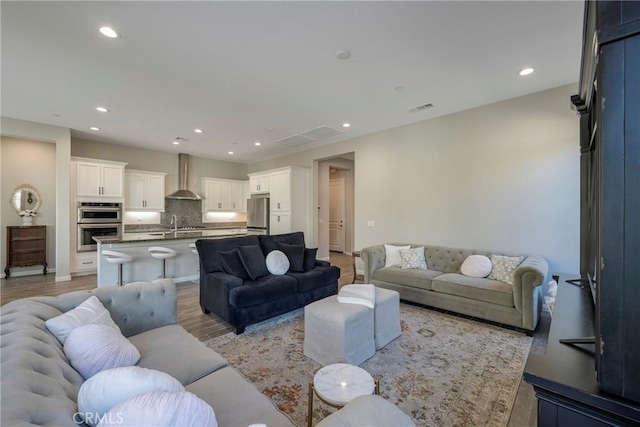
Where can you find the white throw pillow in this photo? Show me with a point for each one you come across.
(94, 348)
(90, 311)
(413, 258)
(476, 266)
(277, 263)
(161, 409)
(392, 255)
(106, 389)
(503, 267)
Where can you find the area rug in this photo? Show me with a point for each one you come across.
(442, 371)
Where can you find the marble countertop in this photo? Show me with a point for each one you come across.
(166, 235)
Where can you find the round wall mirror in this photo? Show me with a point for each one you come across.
(25, 198)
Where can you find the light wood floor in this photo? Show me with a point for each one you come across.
(190, 317)
(205, 327)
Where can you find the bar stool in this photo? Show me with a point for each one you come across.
(119, 258)
(160, 252)
(193, 248)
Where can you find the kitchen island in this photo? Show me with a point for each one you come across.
(183, 267)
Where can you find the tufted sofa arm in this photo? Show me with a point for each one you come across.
(38, 385)
(373, 258)
(530, 274)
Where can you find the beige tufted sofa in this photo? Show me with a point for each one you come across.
(444, 287)
(40, 388)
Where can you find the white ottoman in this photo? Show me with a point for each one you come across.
(338, 333)
(386, 317)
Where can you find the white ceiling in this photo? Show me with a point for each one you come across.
(263, 71)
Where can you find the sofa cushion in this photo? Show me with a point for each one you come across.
(476, 288)
(230, 394)
(161, 409)
(392, 255)
(232, 264)
(277, 263)
(253, 261)
(108, 388)
(449, 260)
(330, 273)
(308, 280)
(476, 266)
(94, 348)
(90, 311)
(413, 258)
(269, 242)
(209, 250)
(309, 258)
(163, 349)
(295, 254)
(263, 290)
(503, 267)
(409, 277)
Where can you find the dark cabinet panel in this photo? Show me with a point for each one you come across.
(26, 246)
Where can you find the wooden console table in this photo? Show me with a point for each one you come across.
(564, 378)
(26, 245)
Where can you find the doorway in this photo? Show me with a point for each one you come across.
(337, 217)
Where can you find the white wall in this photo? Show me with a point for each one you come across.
(62, 138)
(34, 163)
(503, 177)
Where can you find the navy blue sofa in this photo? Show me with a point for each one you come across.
(242, 300)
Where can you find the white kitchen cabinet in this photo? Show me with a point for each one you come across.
(239, 201)
(280, 191)
(280, 223)
(218, 195)
(144, 191)
(99, 179)
(289, 199)
(246, 193)
(259, 183)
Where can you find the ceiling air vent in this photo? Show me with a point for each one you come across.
(421, 107)
(294, 140)
(322, 132)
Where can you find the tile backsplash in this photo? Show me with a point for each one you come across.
(189, 214)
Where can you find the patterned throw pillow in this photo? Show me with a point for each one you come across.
(503, 267)
(413, 258)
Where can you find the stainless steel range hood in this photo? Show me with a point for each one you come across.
(183, 181)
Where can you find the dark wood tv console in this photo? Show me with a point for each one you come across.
(564, 378)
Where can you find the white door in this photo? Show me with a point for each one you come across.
(336, 215)
(112, 181)
(154, 192)
(134, 196)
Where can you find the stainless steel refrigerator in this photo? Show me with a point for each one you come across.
(258, 215)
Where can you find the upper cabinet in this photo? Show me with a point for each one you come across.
(99, 179)
(259, 183)
(144, 191)
(280, 191)
(223, 195)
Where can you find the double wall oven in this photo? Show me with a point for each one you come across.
(97, 219)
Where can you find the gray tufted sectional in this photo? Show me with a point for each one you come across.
(39, 386)
(443, 286)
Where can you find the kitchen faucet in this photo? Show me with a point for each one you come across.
(174, 222)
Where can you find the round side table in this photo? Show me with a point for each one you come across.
(338, 384)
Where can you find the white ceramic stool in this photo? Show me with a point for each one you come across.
(119, 258)
(338, 333)
(162, 253)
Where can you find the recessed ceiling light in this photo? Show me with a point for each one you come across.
(197, 130)
(109, 32)
(346, 125)
(176, 142)
(399, 89)
(343, 54)
(102, 109)
(257, 143)
(94, 128)
(230, 152)
(526, 71)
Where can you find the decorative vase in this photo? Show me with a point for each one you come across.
(27, 220)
